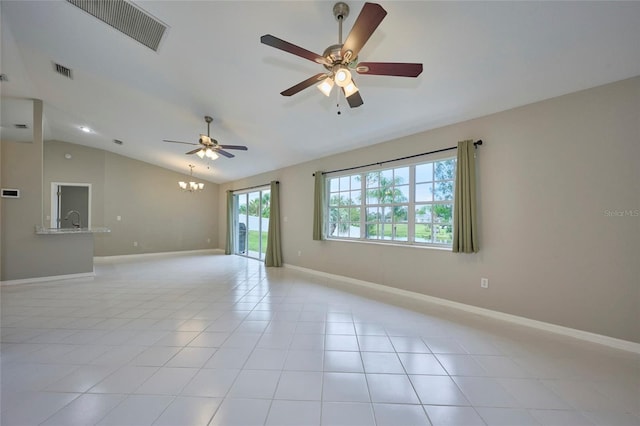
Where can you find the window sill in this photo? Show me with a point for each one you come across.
(390, 244)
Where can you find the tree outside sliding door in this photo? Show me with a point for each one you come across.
(252, 210)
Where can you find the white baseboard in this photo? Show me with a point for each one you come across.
(99, 259)
(540, 325)
(49, 278)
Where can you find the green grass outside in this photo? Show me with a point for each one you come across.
(254, 238)
(423, 233)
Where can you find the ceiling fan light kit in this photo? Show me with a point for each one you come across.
(350, 89)
(342, 75)
(326, 86)
(209, 153)
(340, 59)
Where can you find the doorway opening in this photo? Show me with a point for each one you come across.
(70, 205)
(252, 222)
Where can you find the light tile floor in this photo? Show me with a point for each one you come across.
(197, 339)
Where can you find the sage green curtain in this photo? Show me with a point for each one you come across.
(465, 228)
(273, 254)
(318, 207)
(230, 245)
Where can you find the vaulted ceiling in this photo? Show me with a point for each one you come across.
(479, 58)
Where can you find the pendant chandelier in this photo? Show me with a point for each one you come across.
(191, 186)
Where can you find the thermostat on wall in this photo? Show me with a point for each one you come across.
(10, 193)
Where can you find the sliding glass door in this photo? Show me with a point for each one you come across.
(252, 224)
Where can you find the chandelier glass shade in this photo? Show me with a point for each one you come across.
(191, 186)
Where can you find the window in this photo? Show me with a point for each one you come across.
(408, 204)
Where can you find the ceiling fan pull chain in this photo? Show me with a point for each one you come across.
(338, 102)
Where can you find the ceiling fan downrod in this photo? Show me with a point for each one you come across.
(208, 119)
(340, 11)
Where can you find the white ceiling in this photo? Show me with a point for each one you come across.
(479, 58)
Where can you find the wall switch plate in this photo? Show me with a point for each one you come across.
(135, 244)
(484, 282)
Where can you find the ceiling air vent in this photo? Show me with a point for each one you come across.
(62, 70)
(126, 18)
(20, 126)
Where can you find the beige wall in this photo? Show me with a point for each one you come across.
(24, 254)
(548, 173)
(85, 166)
(154, 212)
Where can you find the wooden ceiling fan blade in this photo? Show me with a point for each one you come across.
(225, 153)
(303, 84)
(355, 100)
(186, 143)
(396, 69)
(194, 151)
(366, 23)
(278, 43)
(240, 147)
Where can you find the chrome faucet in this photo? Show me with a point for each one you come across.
(75, 224)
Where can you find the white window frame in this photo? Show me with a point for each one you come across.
(411, 204)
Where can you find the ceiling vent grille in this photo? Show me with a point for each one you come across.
(126, 18)
(21, 126)
(62, 70)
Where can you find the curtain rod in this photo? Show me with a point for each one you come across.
(253, 187)
(479, 142)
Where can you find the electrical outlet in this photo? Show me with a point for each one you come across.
(299, 252)
(135, 244)
(208, 240)
(484, 282)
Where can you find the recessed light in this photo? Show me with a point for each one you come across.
(86, 129)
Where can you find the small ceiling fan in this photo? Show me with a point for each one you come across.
(209, 147)
(340, 58)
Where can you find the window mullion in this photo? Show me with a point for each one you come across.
(411, 223)
(363, 205)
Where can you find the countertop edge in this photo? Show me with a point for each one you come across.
(58, 231)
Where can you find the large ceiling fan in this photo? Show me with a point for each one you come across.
(339, 59)
(209, 147)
